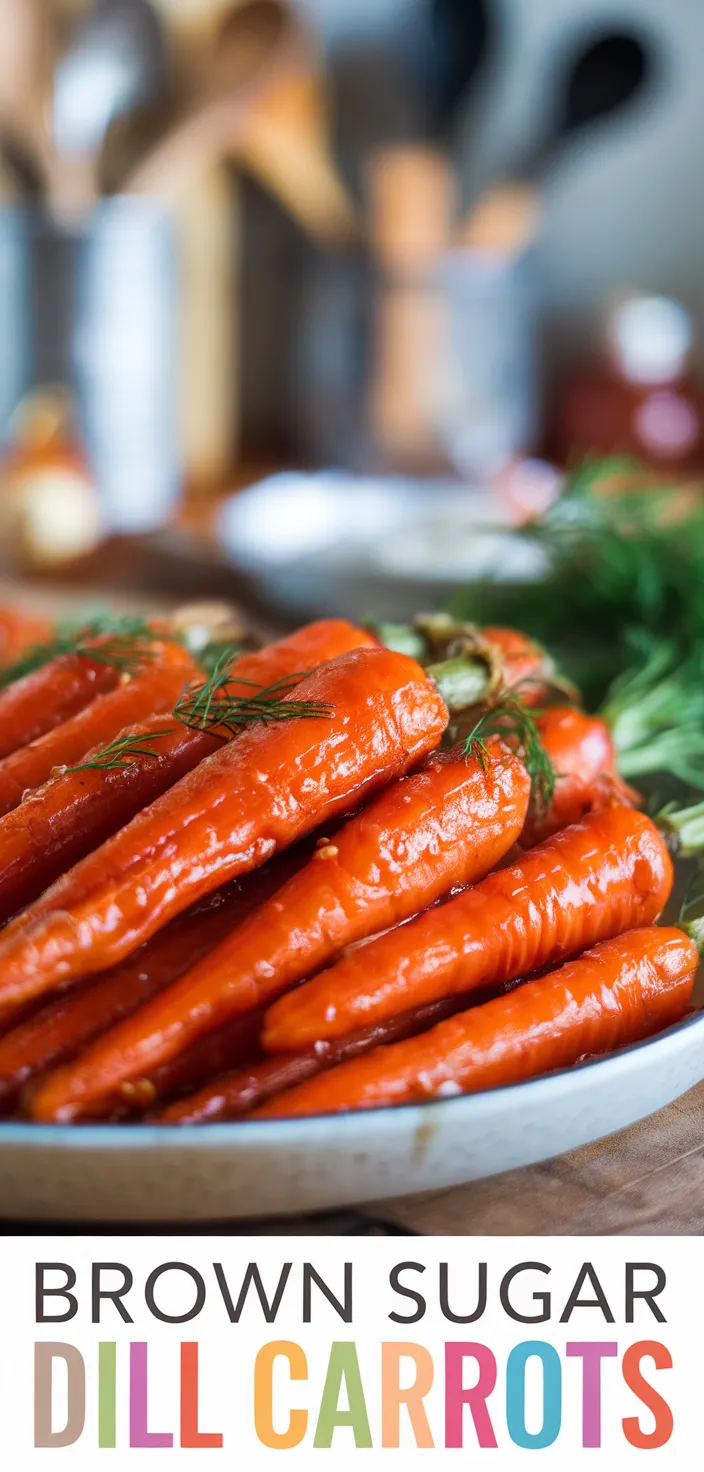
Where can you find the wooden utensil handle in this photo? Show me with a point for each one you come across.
(208, 237)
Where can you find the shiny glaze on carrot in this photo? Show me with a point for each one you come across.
(583, 758)
(49, 695)
(61, 822)
(625, 989)
(59, 1029)
(445, 826)
(153, 689)
(259, 794)
(70, 815)
(523, 662)
(591, 881)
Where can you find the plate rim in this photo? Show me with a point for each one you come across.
(238, 1132)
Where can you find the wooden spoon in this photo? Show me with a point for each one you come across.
(253, 43)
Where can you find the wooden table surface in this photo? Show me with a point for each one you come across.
(647, 1180)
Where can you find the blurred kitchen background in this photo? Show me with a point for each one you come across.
(304, 302)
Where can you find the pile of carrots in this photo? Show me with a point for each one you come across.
(311, 883)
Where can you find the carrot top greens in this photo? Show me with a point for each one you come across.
(623, 558)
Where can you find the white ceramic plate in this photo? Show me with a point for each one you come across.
(146, 1174)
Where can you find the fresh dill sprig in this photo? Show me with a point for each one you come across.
(207, 706)
(123, 752)
(197, 699)
(210, 705)
(209, 656)
(619, 554)
(229, 714)
(508, 718)
(126, 644)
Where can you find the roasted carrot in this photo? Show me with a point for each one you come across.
(245, 1088)
(61, 822)
(625, 989)
(585, 884)
(64, 1025)
(447, 825)
(259, 794)
(525, 665)
(64, 820)
(154, 689)
(230, 1047)
(582, 755)
(49, 695)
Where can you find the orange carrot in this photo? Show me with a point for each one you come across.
(587, 883)
(625, 989)
(49, 695)
(149, 691)
(582, 754)
(259, 794)
(236, 1093)
(524, 663)
(61, 822)
(63, 1026)
(446, 826)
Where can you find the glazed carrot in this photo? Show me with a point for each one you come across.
(297, 654)
(259, 794)
(49, 695)
(625, 989)
(230, 1047)
(63, 1026)
(582, 754)
(58, 824)
(238, 1092)
(154, 689)
(447, 825)
(587, 883)
(523, 662)
(61, 822)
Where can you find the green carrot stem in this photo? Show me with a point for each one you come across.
(695, 930)
(461, 681)
(402, 638)
(684, 828)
